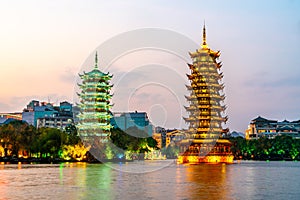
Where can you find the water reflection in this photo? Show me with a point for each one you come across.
(205, 181)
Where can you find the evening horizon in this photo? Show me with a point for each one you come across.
(45, 45)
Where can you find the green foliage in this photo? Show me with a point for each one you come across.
(172, 151)
(279, 148)
(19, 138)
(132, 140)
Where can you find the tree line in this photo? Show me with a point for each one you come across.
(282, 147)
(21, 140)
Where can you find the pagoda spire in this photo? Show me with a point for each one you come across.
(96, 61)
(204, 35)
(204, 45)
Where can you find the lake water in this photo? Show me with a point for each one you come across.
(151, 180)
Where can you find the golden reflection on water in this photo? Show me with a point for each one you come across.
(210, 181)
(19, 165)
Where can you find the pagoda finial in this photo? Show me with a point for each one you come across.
(96, 60)
(204, 35)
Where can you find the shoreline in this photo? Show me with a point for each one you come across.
(8, 160)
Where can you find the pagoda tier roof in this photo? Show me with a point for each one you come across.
(196, 93)
(96, 110)
(219, 65)
(97, 90)
(93, 87)
(94, 126)
(95, 115)
(95, 96)
(209, 117)
(207, 141)
(195, 76)
(92, 105)
(98, 102)
(91, 134)
(203, 66)
(205, 51)
(96, 84)
(197, 86)
(201, 106)
(208, 106)
(206, 73)
(95, 73)
(205, 69)
(89, 113)
(205, 130)
(101, 120)
(191, 66)
(208, 83)
(96, 79)
(210, 97)
(100, 110)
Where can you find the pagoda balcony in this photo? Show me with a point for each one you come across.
(217, 118)
(217, 107)
(206, 153)
(94, 104)
(204, 102)
(191, 108)
(100, 90)
(204, 106)
(202, 136)
(89, 95)
(203, 69)
(217, 86)
(203, 129)
(200, 94)
(219, 97)
(205, 113)
(208, 117)
(95, 80)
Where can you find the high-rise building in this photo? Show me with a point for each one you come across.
(43, 114)
(94, 106)
(206, 109)
(125, 120)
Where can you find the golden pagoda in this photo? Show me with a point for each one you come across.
(204, 142)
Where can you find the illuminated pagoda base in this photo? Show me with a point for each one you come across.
(204, 142)
(206, 151)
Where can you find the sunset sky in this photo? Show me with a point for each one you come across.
(44, 44)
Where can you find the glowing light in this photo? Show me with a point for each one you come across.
(77, 152)
(206, 109)
(94, 117)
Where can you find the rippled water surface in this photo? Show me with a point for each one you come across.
(151, 180)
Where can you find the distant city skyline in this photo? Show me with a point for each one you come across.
(44, 44)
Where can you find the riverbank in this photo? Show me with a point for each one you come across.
(14, 160)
